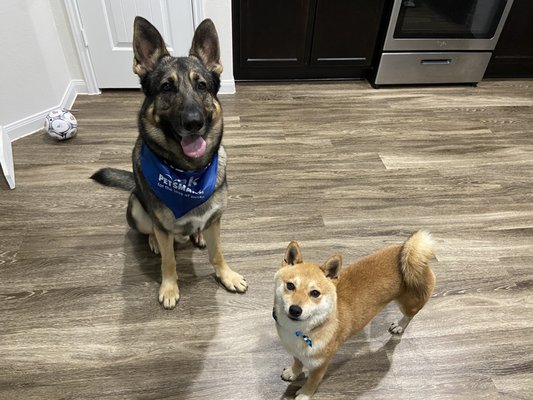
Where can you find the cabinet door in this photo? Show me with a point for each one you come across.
(513, 56)
(274, 32)
(345, 32)
(304, 39)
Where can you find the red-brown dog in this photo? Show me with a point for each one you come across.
(317, 308)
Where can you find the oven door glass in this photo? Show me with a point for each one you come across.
(450, 19)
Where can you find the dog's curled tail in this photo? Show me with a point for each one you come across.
(414, 260)
(114, 177)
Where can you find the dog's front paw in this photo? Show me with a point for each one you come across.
(302, 396)
(198, 240)
(169, 294)
(395, 328)
(233, 281)
(152, 242)
(288, 374)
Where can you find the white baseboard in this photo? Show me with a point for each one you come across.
(6, 159)
(227, 86)
(31, 124)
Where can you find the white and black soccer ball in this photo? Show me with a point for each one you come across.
(61, 124)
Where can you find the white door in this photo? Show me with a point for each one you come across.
(108, 31)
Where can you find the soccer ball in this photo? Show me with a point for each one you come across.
(61, 124)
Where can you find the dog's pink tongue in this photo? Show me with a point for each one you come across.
(193, 146)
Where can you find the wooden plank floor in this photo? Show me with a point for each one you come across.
(337, 166)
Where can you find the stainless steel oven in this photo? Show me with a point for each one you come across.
(440, 41)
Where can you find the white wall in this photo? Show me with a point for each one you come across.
(220, 12)
(34, 69)
(36, 74)
(67, 41)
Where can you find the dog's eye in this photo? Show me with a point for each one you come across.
(166, 87)
(201, 85)
(290, 286)
(314, 293)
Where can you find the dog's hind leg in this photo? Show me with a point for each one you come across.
(139, 220)
(410, 304)
(397, 328)
(418, 278)
(231, 280)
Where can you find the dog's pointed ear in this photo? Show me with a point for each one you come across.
(148, 47)
(206, 47)
(293, 254)
(332, 267)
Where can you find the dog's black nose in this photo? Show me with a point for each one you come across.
(295, 311)
(193, 121)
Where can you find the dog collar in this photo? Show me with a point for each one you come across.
(181, 191)
(306, 338)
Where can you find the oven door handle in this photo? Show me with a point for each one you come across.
(444, 61)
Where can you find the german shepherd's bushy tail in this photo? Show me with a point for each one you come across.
(114, 177)
(414, 260)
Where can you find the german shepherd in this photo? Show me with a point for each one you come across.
(178, 185)
(317, 308)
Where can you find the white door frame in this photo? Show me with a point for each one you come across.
(81, 40)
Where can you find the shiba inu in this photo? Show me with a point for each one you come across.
(318, 307)
(178, 185)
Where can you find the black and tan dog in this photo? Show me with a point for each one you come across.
(178, 185)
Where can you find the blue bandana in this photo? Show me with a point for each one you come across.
(181, 191)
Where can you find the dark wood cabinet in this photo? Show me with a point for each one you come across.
(345, 32)
(513, 56)
(304, 39)
(274, 32)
